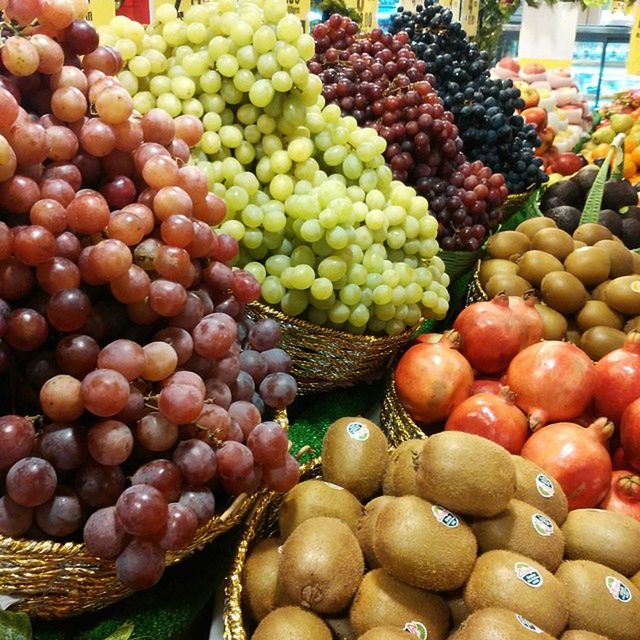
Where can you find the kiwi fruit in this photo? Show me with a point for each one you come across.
(321, 565)
(400, 474)
(590, 233)
(341, 627)
(554, 323)
(619, 257)
(573, 335)
(511, 580)
(366, 528)
(597, 293)
(292, 623)
(401, 529)
(618, 194)
(563, 292)
(623, 294)
(591, 265)
(534, 265)
(354, 456)
(535, 487)
(466, 473)
(260, 579)
(457, 606)
(382, 600)
(524, 529)
(313, 498)
(582, 635)
(578, 244)
(635, 258)
(605, 537)
(531, 226)
(633, 324)
(505, 244)
(567, 218)
(554, 241)
(596, 314)
(386, 633)
(601, 600)
(490, 268)
(612, 220)
(494, 623)
(564, 192)
(598, 341)
(508, 283)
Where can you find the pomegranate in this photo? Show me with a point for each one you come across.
(432, 379)
(576, 457)
(552, 380)
(630, 433)
(486, 385)
(526, 311)
(494, 417)
(618, 379)
(429, 338)
(624, 494)
(490, 333)
(619, 460)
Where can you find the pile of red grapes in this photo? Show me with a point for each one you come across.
(378, 80)
(135, 391)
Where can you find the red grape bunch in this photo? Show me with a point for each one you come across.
(377, 79)
(123, 335)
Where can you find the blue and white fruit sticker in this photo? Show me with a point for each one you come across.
(542, 525)
(529, 626)
(529, 575)
(358, 431)
(618, 589)
(445, 517)
(416, 629)
(544, 486)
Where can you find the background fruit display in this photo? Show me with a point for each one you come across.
(135, 390)
(505, 555)
(320, 221)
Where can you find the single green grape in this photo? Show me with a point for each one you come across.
(272, 290)
(294, 302)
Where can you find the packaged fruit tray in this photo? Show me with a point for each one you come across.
(54, 580)
(325, 358)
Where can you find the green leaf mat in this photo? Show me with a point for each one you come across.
(167, 611)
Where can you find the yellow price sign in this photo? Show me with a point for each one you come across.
(101, 12)
(469, 16)
(368, 9)
(633, 61)
(300, 9)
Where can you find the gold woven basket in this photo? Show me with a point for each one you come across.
(395, 421)
(261, 523)
(324, 358)
(514, 203)
(53, 580)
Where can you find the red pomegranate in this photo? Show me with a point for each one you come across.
(624, 494)
(525, 310)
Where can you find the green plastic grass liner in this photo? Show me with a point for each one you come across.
(457, 263)
(593, 204)
(528, 209)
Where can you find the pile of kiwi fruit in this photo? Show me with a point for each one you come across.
(588, 283)
(448, 537)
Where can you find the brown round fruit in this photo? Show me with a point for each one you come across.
(506, 244)
(596, 314)
(590, 233)
(598, 341)
(490, 268)
(554, 241)
(508, 283)
(619, 257)
(555, 324)
(591, 265)
(531, 226)
(563, 292)
(292, 623)
(623, 295)
(534, 265)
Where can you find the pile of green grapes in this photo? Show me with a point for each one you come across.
(320, 222)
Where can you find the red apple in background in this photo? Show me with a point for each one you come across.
(530, 96)
(509, 63)
(567, 163)
(536, 116)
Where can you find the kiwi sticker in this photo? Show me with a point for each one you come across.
(635, 286)
(542, 525)
(544, 486)
(529, 626)
(618, 589)
(358, 431)
(529, 575)
(445, 517)
(416, 629)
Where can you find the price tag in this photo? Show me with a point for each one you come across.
(368, 9)
(469, 16)
(300, 9)
(101, 12)
(633, 61)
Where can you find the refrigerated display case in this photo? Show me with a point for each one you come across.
(599, 59)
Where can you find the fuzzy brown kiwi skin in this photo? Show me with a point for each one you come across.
(386, 633)
(366, 529)
(292, 623)
(321, 565)
(582, 635)
(494, 623)
(400, 474)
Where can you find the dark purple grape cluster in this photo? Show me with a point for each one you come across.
(378, 80)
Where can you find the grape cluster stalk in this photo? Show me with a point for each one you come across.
(139, 391)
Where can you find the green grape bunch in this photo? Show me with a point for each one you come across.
(320, 223)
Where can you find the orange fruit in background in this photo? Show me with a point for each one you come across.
(600, 151)
(629, 168)
(635, 155)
